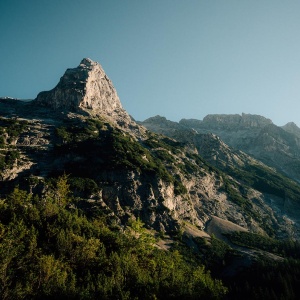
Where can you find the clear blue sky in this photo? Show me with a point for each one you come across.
(175, 58)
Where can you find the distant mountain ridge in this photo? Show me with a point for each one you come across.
(276, 146)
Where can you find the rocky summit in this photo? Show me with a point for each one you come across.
(85, 88)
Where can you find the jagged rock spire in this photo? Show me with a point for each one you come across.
(86, 87)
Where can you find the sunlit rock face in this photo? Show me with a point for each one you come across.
(85, 87)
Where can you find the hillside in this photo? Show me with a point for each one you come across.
(279, 192)
(75, 155)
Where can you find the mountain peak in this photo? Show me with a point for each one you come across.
(291, 127)
(84, 88)
(155, 119)
(88, 62)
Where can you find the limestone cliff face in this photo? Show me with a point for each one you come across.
(258, 136)
(84, 88)
(244, 120)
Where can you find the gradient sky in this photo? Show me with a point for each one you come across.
(175, 58)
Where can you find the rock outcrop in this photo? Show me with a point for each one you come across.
(85, 88)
